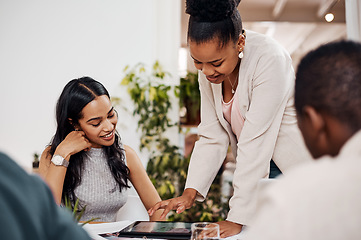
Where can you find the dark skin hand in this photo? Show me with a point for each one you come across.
(184, 202)
(179, 203)
(228, 228)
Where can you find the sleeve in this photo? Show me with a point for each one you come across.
(271, 87)
(210, 150)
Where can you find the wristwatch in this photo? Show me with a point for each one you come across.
(59, 161)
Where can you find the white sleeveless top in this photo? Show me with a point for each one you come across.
(98, 190)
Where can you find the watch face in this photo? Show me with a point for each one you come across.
(57, 160)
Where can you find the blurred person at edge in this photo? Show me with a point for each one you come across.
(28, 209)
(321, 200)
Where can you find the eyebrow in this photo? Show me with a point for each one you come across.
(97, 118)
(217, 60)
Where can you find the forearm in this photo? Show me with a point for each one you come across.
(55, 175)
(206, 160)
(149, 199)
(55, 179)
(156, 216)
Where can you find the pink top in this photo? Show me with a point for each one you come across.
(232, 114)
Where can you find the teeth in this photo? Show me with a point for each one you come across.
(110, 134)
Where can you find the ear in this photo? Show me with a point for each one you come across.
(75, 126)
(241, 42)
(313, 118)
(315, 131)
(70, 121)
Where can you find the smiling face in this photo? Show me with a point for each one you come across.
(215, 62)
(99, 121)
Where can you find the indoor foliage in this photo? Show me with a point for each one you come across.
(189, 97)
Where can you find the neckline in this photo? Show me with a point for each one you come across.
(231, 100)
(95, 150)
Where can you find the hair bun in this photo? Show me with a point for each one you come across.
(211, 10)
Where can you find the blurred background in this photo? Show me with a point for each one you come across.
(44, 44)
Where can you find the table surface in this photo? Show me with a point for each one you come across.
(96, 228)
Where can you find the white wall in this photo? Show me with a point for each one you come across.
(44, 44)
(353, 19)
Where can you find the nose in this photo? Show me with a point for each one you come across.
(207, 69)
(108, 125)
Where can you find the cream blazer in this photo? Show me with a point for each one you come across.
(266, 85)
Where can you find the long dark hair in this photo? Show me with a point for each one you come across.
(75, 96)
(216, 19)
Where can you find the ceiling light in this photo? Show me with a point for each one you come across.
(329, 17)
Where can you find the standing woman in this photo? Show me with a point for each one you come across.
(246, 82)
(86, 160)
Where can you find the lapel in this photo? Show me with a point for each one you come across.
(217, 96)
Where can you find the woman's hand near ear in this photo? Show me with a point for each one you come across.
(53, 175)
(73, 143)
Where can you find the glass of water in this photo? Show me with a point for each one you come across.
(204, 231)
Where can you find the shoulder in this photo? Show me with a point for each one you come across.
(46, 155)
(45, 160)
(10, 169)
(131, 156)
(129, 151)
(266, 59)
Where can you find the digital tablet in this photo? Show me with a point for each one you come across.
(148, 229)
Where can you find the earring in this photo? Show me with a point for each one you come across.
(240, 55)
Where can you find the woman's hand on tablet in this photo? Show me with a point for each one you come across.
(179, 203)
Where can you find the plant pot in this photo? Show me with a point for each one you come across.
(36, 164)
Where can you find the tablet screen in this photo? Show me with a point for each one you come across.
(161, 230)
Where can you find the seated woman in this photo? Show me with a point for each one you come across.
(86, 159)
